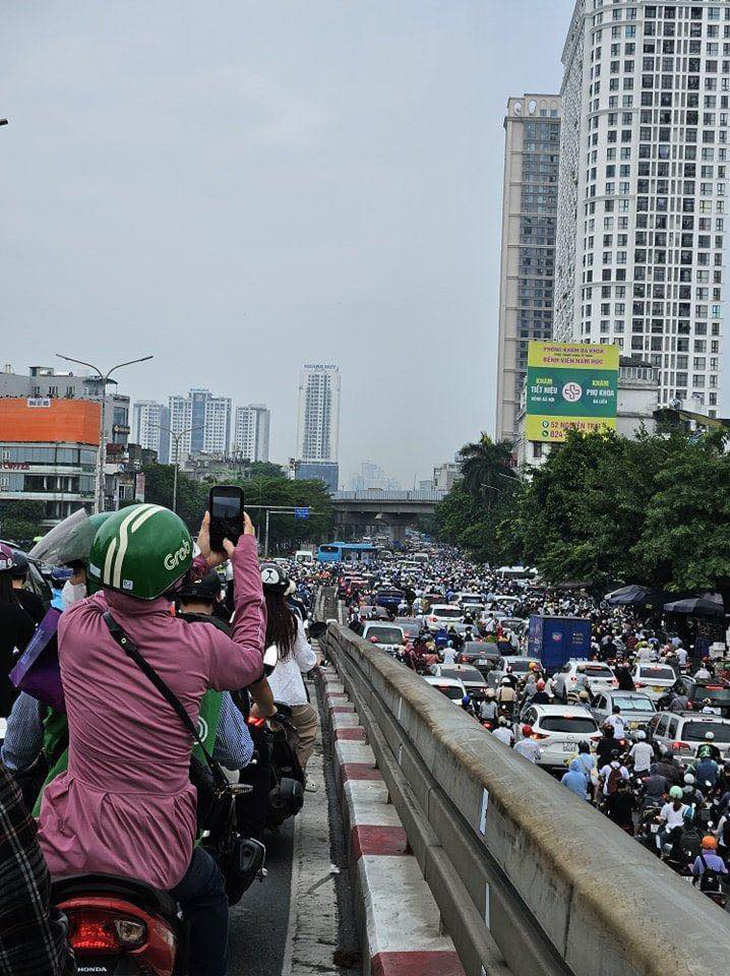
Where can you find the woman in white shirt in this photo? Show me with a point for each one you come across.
(285, 630)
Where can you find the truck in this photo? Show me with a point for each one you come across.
(555, 640)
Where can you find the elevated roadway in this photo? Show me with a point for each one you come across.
(527, 877)
(359, 511)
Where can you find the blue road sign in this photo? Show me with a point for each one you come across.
(301, 513)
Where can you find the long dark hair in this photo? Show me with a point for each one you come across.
(281, 624)
(7, 593)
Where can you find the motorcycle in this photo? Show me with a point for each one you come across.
(275, 743)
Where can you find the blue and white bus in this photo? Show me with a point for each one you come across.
(347, 552)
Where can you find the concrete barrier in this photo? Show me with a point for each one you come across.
(512, 859)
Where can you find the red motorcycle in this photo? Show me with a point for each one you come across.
(121, 927)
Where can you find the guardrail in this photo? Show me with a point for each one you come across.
(523, 871)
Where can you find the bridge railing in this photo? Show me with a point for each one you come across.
(522, 870)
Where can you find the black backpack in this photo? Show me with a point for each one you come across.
(709, 879)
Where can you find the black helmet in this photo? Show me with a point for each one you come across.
(20, 567)
(207, 588)
(274, 578)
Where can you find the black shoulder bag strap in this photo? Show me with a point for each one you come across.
(130, 648)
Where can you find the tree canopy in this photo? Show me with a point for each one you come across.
(285, 531)
(605, 509)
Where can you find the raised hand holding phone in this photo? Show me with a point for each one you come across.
(227, 517)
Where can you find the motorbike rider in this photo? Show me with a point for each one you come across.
(125, 805)
(707, 771)
(541, 696)
(196, 601)
(60, 575)
(488, 708)
(708, 749)
(708, 860)
(16, 629)
(527, 746)
(29, 601)
(605, 746)
(295, 658)
(503, 731)
(672, 814)
(692, 796)
(641, 753)
(668, 768)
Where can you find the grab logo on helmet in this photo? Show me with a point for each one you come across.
(172, 559)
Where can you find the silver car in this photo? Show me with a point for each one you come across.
(637, 709)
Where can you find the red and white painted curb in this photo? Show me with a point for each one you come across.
(399, 918)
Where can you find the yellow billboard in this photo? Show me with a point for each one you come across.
(570, 385)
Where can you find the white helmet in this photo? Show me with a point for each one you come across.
(689, 779)
(709, 736)
(641, 734)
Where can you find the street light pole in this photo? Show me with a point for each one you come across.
(177, 437)
(101, 456)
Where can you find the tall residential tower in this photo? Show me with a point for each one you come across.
(204, 421)
(641, 208)
(318, 429)
(529, 209)
(149, 420)
(251, 432)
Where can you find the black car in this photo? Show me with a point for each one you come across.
(483, 655)
(718, 694)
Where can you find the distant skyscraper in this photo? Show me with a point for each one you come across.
(206, 421)
(148, 419)
(319, 413)
(641, 209)
(529, 216)
(251, 432)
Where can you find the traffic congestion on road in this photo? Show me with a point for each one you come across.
(614, 702)
(610, 701)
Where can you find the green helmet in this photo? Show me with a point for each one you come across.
(142, 550)
(675, 793)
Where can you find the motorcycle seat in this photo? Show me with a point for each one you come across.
(139, 893)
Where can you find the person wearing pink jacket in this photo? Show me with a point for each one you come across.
(125, 805)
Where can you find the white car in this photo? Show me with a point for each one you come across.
(389, 637)
(576, 676)
(471, 678)
(465, 599)
(450, 687)
(559, 730)
(654, 680)
(442, 614)
(685, 732)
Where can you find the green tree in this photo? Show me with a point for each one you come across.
(486, 468)
(21, 521)
(685, 540)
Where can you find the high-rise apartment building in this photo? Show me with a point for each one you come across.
(203, 421)
(251, 432)
(529, 217)
(318, 428)
(149, 422)
(641, 208)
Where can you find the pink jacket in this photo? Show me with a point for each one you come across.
(125, 806)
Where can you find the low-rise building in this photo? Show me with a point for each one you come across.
(48, 453)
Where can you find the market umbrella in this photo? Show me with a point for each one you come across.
(697, 606)
(635, 596)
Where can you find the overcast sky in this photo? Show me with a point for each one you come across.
(242, 186)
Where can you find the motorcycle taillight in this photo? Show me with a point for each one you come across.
(93, 931)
